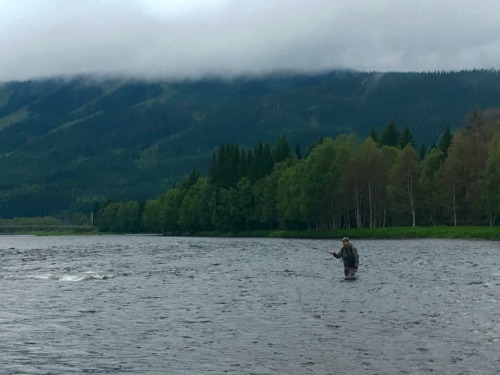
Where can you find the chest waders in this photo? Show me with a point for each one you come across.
(349, 260)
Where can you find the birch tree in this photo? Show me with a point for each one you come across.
(430, 193)
(375, 172)
(476, 135)
(318, 187)
(452, 176)
(490, 180)
(404, 176)
(288, 196)
(347, 196)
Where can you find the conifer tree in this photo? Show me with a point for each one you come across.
(445, 141)
(298, 151)
(406, 138)
(373, 135)
(282, 150)
(390, 136)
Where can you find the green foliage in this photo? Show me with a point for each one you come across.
(317, 195)
(170, 205)
(404, 184)
(474, 232)
(431, 195)
(151, 216)
(490, 180)
(121, 217)
(282, 151)
(66, 145)
(289, 193)
(373, 135)
(390, 136)
(406, 138)
(194, 212)
(445, 141)
(340, 184)
(47, 225)
(266, 195)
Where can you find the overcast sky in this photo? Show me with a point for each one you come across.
(193, 38)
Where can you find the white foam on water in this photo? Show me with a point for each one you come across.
(72, 277)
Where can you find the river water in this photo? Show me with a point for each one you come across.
(166, 305)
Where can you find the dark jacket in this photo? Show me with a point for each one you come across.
(349, 256)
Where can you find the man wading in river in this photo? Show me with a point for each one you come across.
(349, 255)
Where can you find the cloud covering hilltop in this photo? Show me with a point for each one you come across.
(181, 39)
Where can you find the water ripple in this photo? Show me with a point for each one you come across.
(158, 305)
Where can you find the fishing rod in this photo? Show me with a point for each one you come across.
(324, 251)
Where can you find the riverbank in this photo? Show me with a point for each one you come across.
(465, 232)
(47, 230)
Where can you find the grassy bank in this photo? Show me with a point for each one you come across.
(48, 230)
(465, 232)
(490, 233)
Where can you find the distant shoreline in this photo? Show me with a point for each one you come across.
(440, 232)
(444, 232)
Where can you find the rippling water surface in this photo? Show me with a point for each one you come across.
(162, 305)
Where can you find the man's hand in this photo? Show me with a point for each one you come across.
(331, 252)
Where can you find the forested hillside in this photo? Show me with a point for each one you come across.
(66, 145)
(340, 183)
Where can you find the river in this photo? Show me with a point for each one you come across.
(171, 305)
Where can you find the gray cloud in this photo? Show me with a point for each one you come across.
(179, 38)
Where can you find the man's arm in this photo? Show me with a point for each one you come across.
(336, 255)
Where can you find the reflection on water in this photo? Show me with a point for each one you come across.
(159, 305)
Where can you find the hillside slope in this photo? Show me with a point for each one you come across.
(65, 144)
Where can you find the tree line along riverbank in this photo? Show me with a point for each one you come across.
(459, 232)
